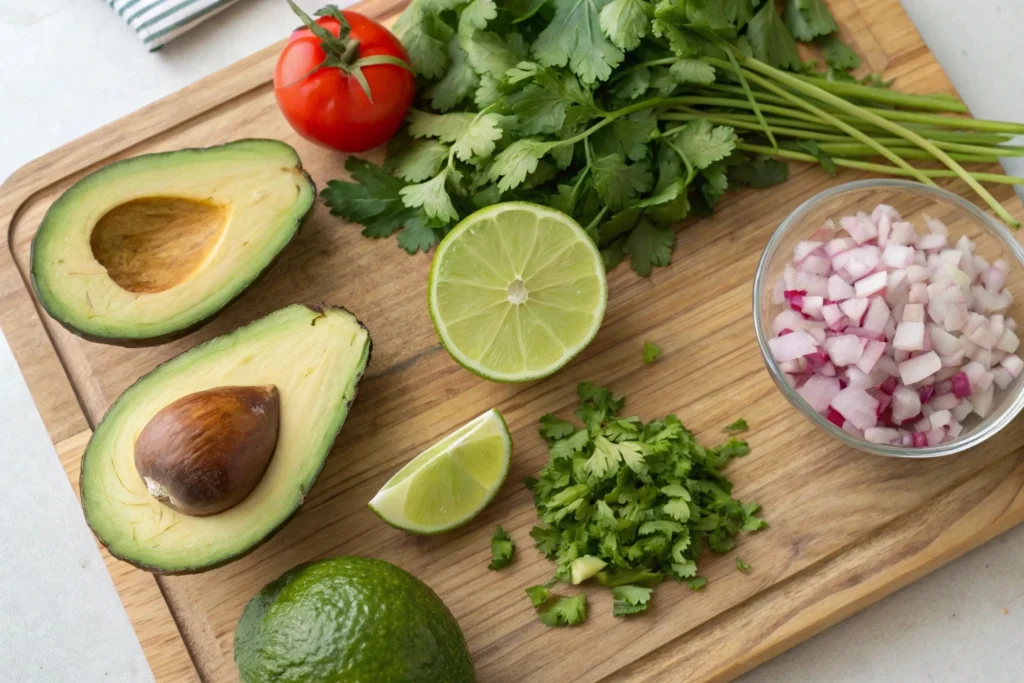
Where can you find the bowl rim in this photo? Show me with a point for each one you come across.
(965, 441)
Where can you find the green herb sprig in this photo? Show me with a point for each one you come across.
(632, 115)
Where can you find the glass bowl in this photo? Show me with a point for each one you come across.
(913, 201)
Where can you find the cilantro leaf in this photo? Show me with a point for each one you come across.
(540, 109)
(458, 80)
(425, 35)
(417, 161)
(566, 612)
(374, 199)
(626, 22)
(742, 566)
(692, 71)
(703, 144)
(502, 550)
(418, 235)
(574, 37)
(517, 161)
(760, 172)
(716, 182)
(432, 195)
(605, 459)
(811, 147)
(546, 539)
(630, 600)
(738, 12)
(564, 448)
(635, 85)
(808, 19)
(552, 428)
(649, 246)
(538, 595)
(490, 54)
(488, 92)
(838, 54)
(677, 509)
(680, 42)
(445, 127)
(738, 427)
(652, 352)
(697, 583)
(618, 182)
(479, 138)
(771, 40)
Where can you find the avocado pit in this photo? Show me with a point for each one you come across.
(205, 452)
(151, 244)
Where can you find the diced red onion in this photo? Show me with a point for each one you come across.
(857, 406)
(889, 330)
(819, 391)
(792, 346)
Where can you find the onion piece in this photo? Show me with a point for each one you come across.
(857, 406)
(792, 346)
(919, 368)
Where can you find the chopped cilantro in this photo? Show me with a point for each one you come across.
(630, 600)
(743, 566)
(697, 583)
(652, 352)
(502, 550)
(738, 427)
(565, 611)
(638, 500)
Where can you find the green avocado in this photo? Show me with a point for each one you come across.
(350, 620)
(313, 356)
(151, 247)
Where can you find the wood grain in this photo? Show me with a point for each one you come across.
(847, 528)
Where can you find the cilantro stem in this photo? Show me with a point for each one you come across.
(824, 115)
(750, 96)
(592, 226)
(856, 149)
(691, 172)
(909, 135)
(731, 120)
(935, 102)
(874, 168)
(959, 152)
(1005, 128)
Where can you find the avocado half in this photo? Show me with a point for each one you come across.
(315, 357)
(149, 248)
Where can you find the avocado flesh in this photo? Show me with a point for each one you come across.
(155, 245)
(314, 358)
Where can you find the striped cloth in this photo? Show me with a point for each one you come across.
(158, 22)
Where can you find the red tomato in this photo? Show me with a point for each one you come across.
(329, 106)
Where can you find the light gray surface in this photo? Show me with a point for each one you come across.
(59, 81)
(60, 617)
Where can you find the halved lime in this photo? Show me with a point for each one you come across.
(516, 290)
(448, 484)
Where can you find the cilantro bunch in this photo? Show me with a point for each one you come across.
(631, 503)
(631, 115)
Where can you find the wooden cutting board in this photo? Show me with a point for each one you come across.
(846, 528)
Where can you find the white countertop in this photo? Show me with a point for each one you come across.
(69, 66)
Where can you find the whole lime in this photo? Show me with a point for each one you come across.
(350, 620)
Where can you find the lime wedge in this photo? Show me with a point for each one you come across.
(448, 484)
(516, 290)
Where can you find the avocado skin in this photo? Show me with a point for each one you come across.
(319, 308)
(350, 620)
(144, 342)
